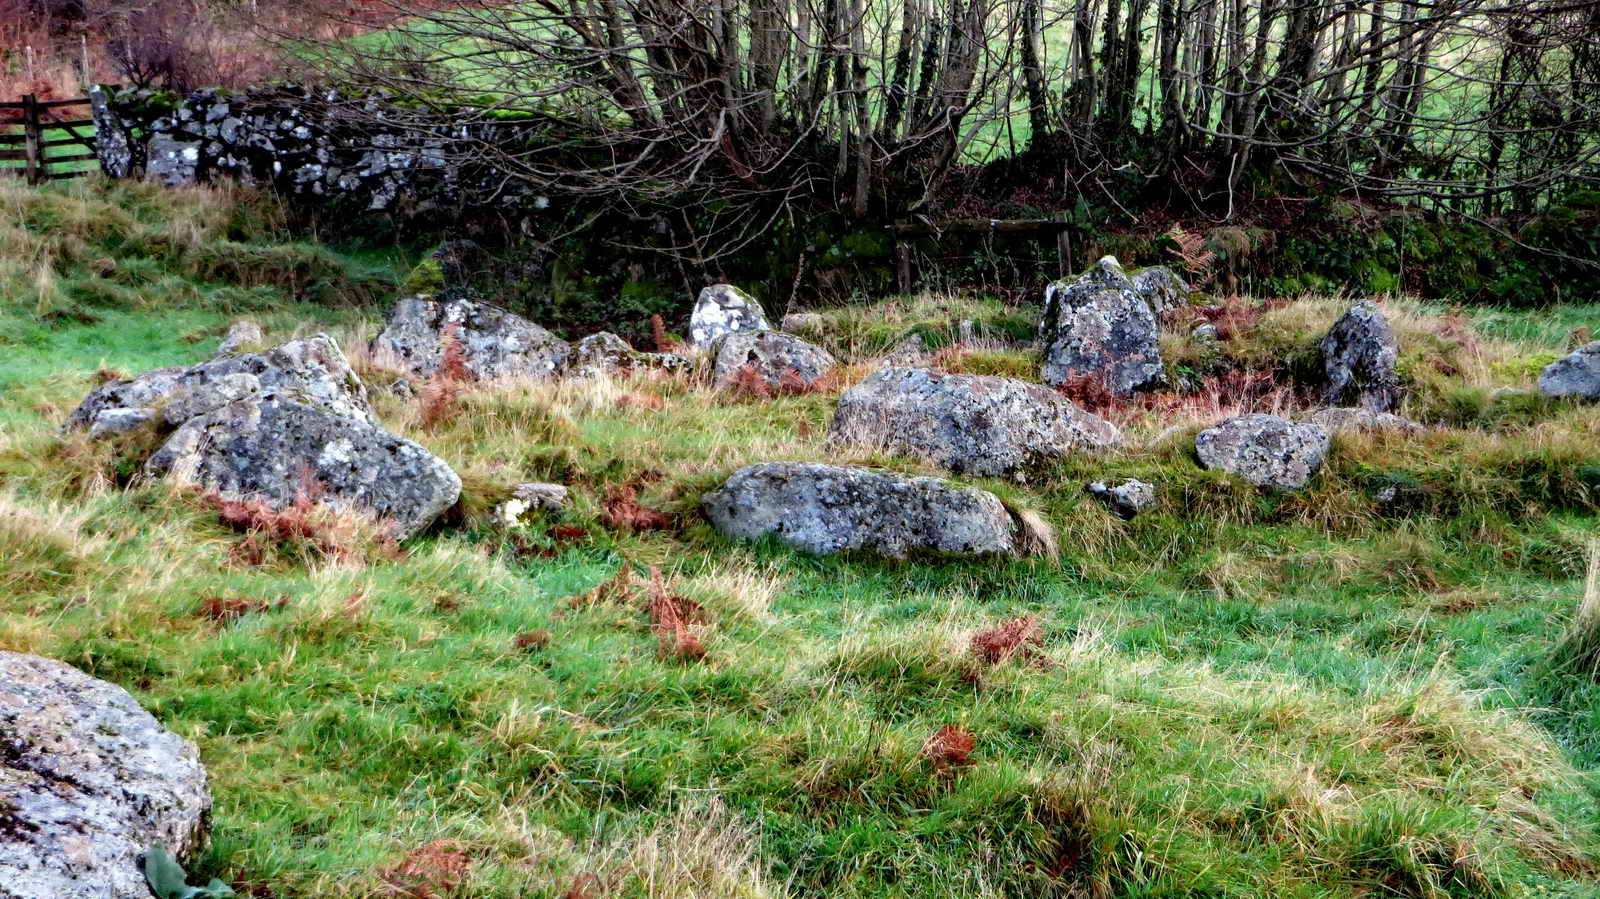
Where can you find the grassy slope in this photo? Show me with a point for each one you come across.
(1242, 694)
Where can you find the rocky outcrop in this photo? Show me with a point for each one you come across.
(493, 342)
(312, 370)
(824, 509)
(970, 424)
(1358, 356)
(1100, 327)
(1127, 499)
(1265, 450)
(88, 781)
(1357, 418)
(779, 360)
(273, 449)
(1162, 290)
(724, 309)
(1575, 375)
(606, 353)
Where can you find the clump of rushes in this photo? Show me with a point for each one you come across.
(1579, 649)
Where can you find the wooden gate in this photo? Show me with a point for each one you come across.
(48, 147)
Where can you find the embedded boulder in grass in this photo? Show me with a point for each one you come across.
(312, 370)
(1265, 450)
(275, 450)
(824, 509)
(1100, 327)
(971, 424)
(724, 309)
(493, 342)
(606, 353)
(775, 359)
(1161, 289)
(1357, 418)
(1575, 375)
(1359, 354)
(88, 781)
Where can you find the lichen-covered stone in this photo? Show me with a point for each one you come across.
(1358, 356)
(88, 781)
(1575, 375)
(1099, 326)
(779, 359)
(802, 322)
(1161, 289)
(1357, 418)
(114, 146)
(824, 509)
(724, 309)
(1265, 450)
(275, 450)
(243, 335)
(910, 352)
(606, 353)
(970, 424)
(173, 162)
(311, 369)
(109, 422)
(494, 343)
(1127, 498)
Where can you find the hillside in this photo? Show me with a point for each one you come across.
(1365, 688)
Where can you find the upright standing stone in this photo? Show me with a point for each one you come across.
(1098, 326)
(724, 309)
(1358, 355)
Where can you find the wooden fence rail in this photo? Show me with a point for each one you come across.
(40, 137)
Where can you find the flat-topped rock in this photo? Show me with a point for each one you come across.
(275, 450)
(1574, 375)
(606, 353)
(824, 509)
(1099, 326)
(970, 424)
(1265, 450)
(778, 359)
(724, 309)
(88, 781)
(1358, 418)
(310, 369)
(494, 343)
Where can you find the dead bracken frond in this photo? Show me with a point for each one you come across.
(949, 747)
(432, 871)
(1013, 637)
(671, 616)
(1198, 261)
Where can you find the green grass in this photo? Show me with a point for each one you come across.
(1237, 694)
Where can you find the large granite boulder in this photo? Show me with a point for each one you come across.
(1099, 326)
(1265, 450)
(311, 370)
(1161, 289)
(88, 781)
(824, 509)
(606, 353)
(780, 360)
(276, 450)
(1574, 375)
(494, 343)
(724, 309)
(971, 424)
(1358, 356)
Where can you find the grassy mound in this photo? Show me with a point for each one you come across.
(1239, 693)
